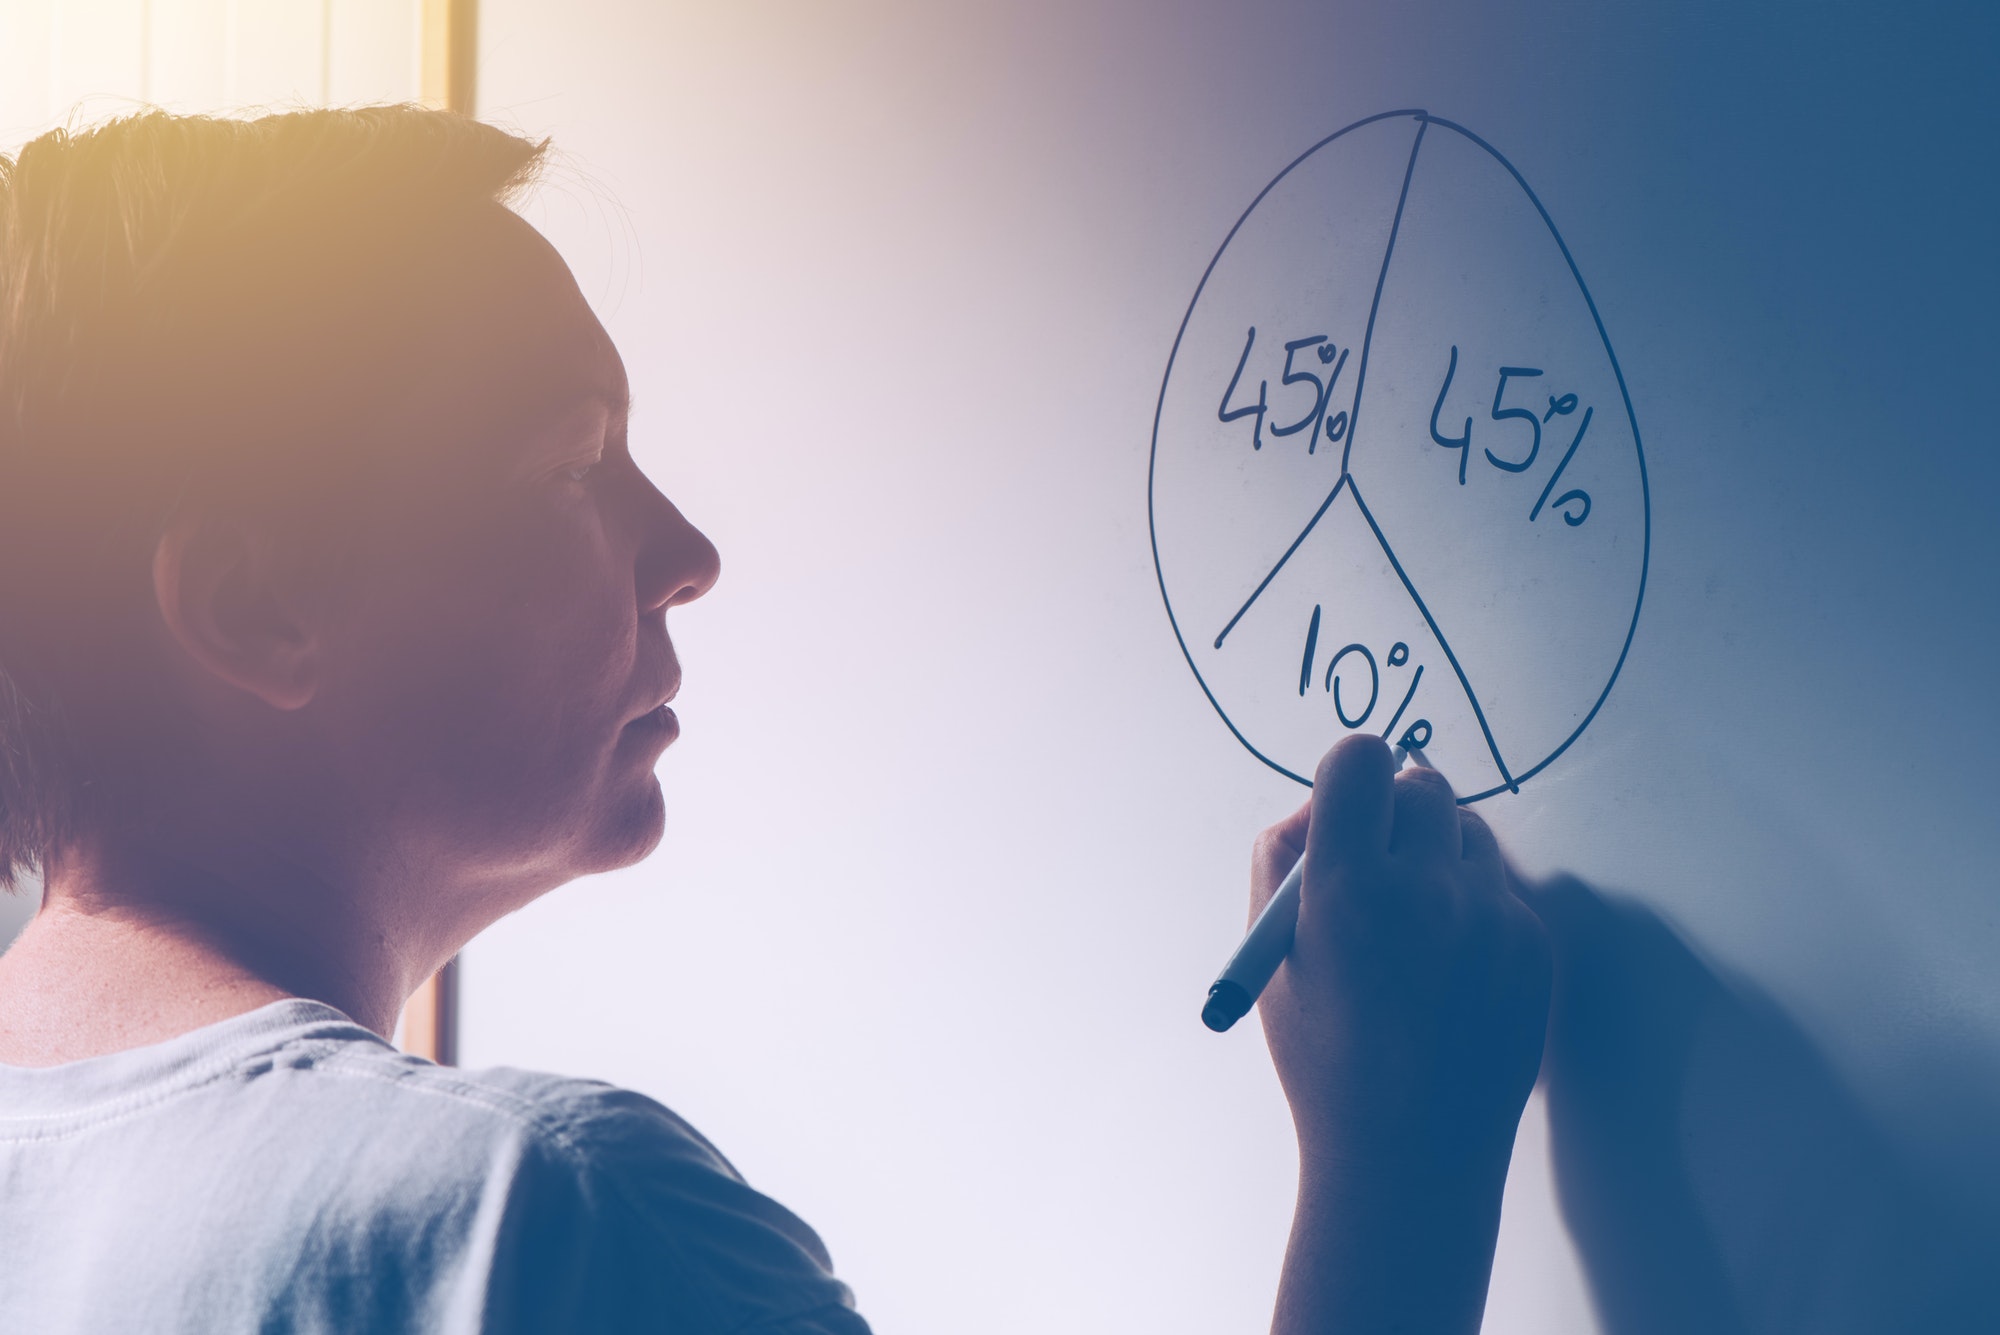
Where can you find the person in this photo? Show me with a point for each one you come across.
(332, 628)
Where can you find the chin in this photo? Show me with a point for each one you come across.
(627, 830)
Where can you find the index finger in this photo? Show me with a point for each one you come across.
(1353, 803)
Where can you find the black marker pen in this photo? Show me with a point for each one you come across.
(1268, 941)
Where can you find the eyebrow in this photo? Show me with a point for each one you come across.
(617, 409)
(616, 402)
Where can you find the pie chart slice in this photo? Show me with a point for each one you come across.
(1303, 263)
(1526, 537)
(1334, 644)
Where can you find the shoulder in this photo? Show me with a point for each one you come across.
(329, 1180)
(590, 1123)
(586, 1125)
(600, 1199)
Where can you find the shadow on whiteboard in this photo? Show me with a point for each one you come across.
(1715, 1172)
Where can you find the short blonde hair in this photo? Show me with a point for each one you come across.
(156, 273)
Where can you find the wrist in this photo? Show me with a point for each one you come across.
(1459, 1171)
(1425, 1135)
(1396, 1238)
(1425, 1154)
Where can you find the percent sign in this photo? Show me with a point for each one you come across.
(1559, 406)
(1314, 417)
(1417, 736)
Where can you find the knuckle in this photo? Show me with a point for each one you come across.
(1481, 846)
(1286, 833)
(1274, 847)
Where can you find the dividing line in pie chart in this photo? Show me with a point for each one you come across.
(1375, 306)
(1471, 695)
(1265, 583)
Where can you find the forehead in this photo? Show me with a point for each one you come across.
(513, 339)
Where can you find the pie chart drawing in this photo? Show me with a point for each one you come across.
(1396, 483)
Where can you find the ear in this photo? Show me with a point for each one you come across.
(227, 604)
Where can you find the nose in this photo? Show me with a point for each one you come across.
(677, 562)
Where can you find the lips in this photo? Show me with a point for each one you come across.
(665, 697)
(659, 723)
(659, 716)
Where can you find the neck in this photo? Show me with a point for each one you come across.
(129, 951)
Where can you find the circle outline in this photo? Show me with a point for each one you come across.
(1423, 118)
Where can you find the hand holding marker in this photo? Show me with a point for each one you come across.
(1268, 941)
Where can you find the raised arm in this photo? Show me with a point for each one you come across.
(1406, 1026)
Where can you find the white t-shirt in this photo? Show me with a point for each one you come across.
(287, 1170)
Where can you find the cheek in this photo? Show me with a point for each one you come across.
(507, 659)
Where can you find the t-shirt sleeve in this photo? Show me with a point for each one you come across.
(623, 1218)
